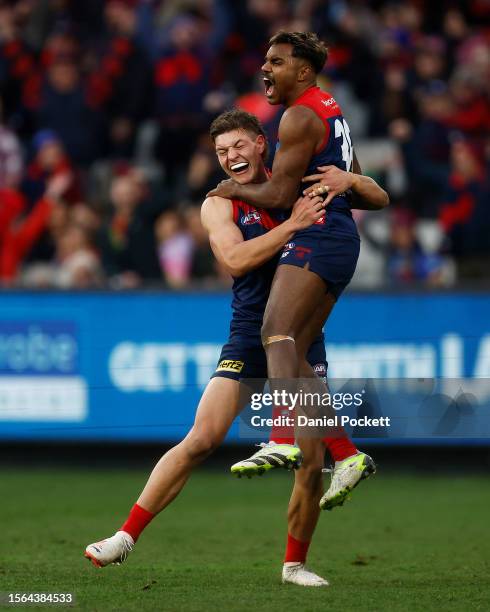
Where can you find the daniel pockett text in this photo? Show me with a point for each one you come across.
(292, 403)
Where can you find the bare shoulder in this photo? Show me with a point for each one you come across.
(299, 117)
(298, 122)
(215, 209)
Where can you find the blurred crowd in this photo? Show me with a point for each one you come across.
(105, 156)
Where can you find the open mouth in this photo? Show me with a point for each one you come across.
(269, 87)
(240, 167)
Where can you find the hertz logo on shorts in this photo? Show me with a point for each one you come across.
(230, 365)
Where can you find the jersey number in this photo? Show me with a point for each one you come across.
(342, 129)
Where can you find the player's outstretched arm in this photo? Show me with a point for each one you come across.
(300, 131)
(366, 193)
(240, 256)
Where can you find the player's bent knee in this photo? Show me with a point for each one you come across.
(199, 445)
(271, 331)
(311, 469)
(310, 476)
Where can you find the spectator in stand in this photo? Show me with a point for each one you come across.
(456, 30)
(11, 162)
(32, 78)
(120, 79)
(16, 61)
(12, 202)
(182, 78)
(48, 91)
(127, 240)
(77, 263)
(471, 111)
(254, 22)
(183, 249)
(175, 249)
(472, 55)
(86, 217)
(465, 213)
(425, 148)
(204, 265)
(407, 261)
(203, 172)
(32, 224)
(63, 105)
(49, 161)
(32, 238)
(429, 66)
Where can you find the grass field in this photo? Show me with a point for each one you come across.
(402, 543)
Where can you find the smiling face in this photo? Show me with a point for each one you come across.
(240, 155)
(283, 74)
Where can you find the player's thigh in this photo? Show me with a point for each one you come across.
(222, 400)
(295, 295)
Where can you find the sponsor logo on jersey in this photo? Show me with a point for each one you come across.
(251, 218)
(329, 102)
(301, 251)
(289, 245)
(230, 365)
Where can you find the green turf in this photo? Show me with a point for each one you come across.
(403, 543)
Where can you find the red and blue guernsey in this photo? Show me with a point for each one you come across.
(251, 291)
(336, 148)
(330, 247)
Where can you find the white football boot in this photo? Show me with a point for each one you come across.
(113, 550)
(296, 573)
(346, 475)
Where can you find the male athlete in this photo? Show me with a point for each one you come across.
(246, 240)
(319, 261)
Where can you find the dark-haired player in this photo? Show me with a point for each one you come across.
(319, 261)
(247, 241)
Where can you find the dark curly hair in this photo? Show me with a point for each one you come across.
(306, 45)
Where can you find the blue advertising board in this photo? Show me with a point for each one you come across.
(131, 367)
